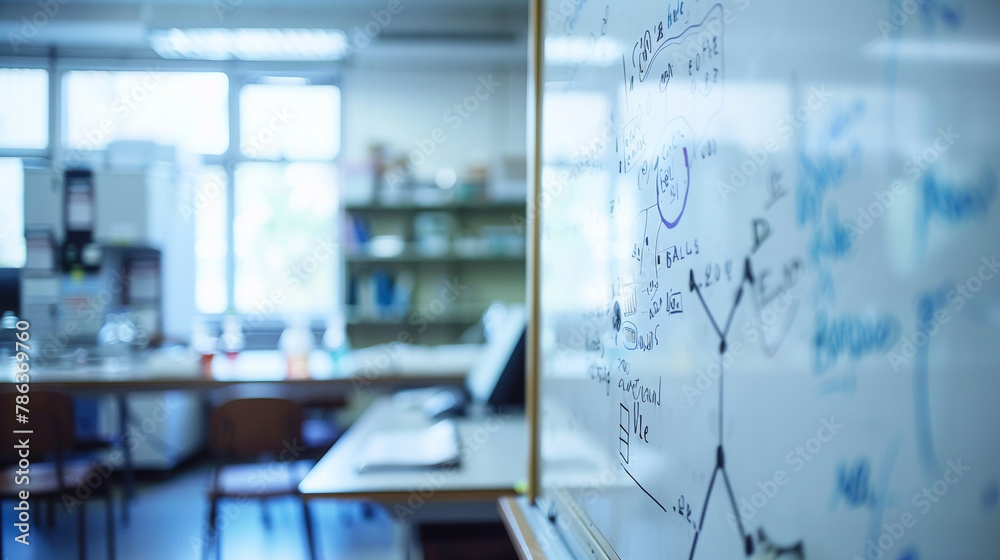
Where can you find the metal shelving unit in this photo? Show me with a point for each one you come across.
(437, 311)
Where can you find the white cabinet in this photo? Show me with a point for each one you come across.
(134, 206)
(43, 201)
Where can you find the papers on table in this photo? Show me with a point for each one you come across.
(429, 447)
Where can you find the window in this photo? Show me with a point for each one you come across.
(24, 113)
(264, 203)
(285, 244)
(288, 121)
(12, 248)
(281, 255)
(184, 109)
(211, 224)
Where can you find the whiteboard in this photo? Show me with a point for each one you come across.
(770, 296)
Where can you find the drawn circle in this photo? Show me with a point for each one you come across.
(630, 335)
(673, 173)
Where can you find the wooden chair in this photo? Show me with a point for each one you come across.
(257, 443)
(52, 437)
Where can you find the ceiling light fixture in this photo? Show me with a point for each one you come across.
(250, 44)
(974, 52)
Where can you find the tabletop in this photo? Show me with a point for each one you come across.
(494, 463)
(177, 369)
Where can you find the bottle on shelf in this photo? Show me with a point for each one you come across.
(296, 342)
(115, 337)
(232, 336)
(336, 343)
(8, 339)
(205, 344)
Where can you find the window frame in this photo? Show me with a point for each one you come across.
(238, 73)
(34, 64)
(64, 146)
(34, 157)
(257, 78)
(234, 157)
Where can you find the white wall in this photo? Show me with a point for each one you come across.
(404, 107)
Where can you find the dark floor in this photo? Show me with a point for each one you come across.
(168, 518)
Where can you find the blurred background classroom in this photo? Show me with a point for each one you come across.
(234, 230)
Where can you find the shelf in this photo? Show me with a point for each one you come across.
(466, 316)
(404, 324)
(472, 205)
(411, 256)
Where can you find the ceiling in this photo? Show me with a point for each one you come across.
(337, 5)
(481, 30)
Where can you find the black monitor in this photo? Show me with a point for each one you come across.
(10, 290)
(509, 389)
(498, 378)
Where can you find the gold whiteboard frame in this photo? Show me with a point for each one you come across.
(536, 54)
(586, 535)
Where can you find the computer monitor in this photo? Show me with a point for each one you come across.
(498, 378)
(509, 389)
(10, 290)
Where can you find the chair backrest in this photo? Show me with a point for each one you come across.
(50, 418)
(248, 428)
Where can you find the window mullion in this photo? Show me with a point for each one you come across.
(233, 158)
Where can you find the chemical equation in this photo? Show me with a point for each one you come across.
(697, 49)
(688, 68)
(651, 39)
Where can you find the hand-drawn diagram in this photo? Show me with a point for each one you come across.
(720, 460)
(695, 58)
(820, 304)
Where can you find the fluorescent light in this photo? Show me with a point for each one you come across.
(250, 44)
(987, 52)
